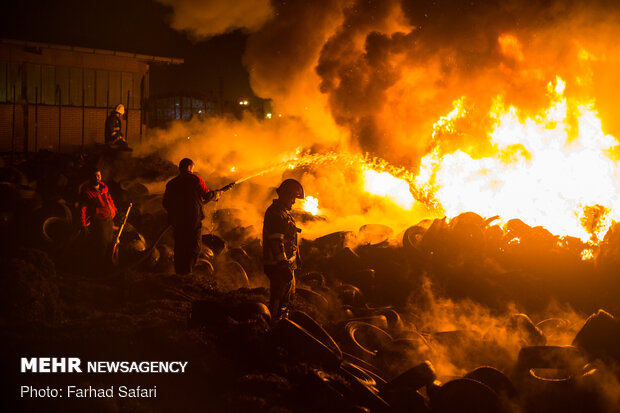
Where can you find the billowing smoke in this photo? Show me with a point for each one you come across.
(281, 58)
(375, 76)
(481, 335)
(212, 17)
(385, 71)
(227, 150)
(391, 69)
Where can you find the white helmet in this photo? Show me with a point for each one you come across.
(120, 109)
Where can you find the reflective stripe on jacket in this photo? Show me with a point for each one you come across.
(113, 127)
(279, 235)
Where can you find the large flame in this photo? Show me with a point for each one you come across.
(311, 204)
(387, 185)
(552, 170)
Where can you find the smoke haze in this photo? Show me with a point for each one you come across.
(374, 77)
(208, 18)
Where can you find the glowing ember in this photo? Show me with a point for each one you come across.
(552, 170)
(311, 204)
(387, 185)
(587, 254)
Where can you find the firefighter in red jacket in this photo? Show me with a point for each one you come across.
(185, 194)
(280, 248)
(97, 212)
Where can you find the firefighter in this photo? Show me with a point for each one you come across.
(183, 199)
(280, 250)
(113, 134)
(97, 212)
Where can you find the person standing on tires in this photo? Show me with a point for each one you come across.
(97, 212)
(113, 135)
(185, 194)
(280, 248)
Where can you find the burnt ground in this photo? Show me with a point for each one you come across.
(457, 294)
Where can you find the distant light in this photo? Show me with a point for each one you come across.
(279, 115)
(241, 102)
(268, 116)
(162, 136)
(233, 169)
(200, 111)
(245, 102)
(188, 137)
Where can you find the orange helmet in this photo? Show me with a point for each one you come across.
(291, 187)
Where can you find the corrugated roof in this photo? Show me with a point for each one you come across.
(138, 56)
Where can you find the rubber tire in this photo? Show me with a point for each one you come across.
(351, 295)
(395, 323)
(363, 391)
(495, 379)
(313, 279)
(376, 320)
(376, 372)
(466, 396)
(64, 231)
(313, 297)
(357, 348)
(302, 345)
(413, 379)
(550, 357)
(317, 331)
(215, 243)
(396, 357)
(374, 234)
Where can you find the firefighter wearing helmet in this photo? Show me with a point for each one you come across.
(280, 250)
(113, 128)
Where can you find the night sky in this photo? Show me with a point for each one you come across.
(140, 26)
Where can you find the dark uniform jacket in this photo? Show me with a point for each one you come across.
(279, 236)
(113, 127)
(184, 198)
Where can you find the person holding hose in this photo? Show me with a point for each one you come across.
(183, 199)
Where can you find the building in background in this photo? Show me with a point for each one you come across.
(167, 108)
(57, 97)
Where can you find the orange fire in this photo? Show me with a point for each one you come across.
(552, 170)
(386, 185)
(311, 204)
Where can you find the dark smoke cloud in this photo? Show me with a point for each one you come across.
(385, 70)
(356, 80)
(449, 49)
(284, 49)
(282, 55)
